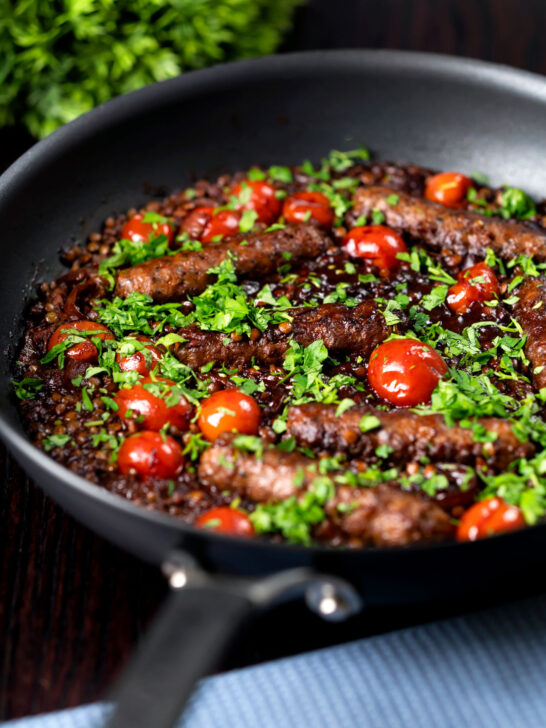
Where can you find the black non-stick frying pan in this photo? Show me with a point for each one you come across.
(432, 110)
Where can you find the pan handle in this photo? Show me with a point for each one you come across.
(195, 628)
(188, 639)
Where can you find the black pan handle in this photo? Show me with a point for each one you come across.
(188, 639)
(195, 627)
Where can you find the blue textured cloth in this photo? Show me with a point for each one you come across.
(485, 670)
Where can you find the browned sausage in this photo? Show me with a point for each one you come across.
(530, 311)
(383, 516)
(172, 278)
(411, 436)
(269, 478)
(387, 516)
(459, 231)
(342, 329)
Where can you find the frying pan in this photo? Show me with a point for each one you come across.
(432, 110)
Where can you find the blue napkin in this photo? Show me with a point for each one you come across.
(485, 670)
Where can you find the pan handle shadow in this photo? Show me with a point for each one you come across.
(196, 626)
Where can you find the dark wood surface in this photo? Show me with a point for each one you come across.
(71, 605)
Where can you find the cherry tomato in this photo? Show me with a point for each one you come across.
(226, 520)
(448, 188)
(378, 243)
(137, 230)
(85, 350)
(303, 205)
(152, 411)
(224, 223)
(140, 361)
(205, 225)
(262, 199)
(477, 283)
(150, 455)
(405, 372)
(488, 517)
(194, 222)
(229, 410)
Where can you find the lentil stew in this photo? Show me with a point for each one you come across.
(351, 353)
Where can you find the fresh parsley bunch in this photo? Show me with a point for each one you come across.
(60, 58)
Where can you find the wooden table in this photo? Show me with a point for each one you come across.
(72, 605)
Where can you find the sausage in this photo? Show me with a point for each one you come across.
(342, 329)
(459, 231)
(383, 516)
(387, 516)
(270, 478)
(172, 278)
(530, 312)
(409, 435)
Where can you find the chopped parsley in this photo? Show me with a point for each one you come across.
(523, 485)
(341, 161)
(248, 218)
(378, 218)
(28, 387)
(480, 178)
(369, 422)
(48, 443)
(138, 313)
(280, 174)
(344, 405)
(224, 306)
(295, 516)
(195, 445)
(517, 204)
(435, 298)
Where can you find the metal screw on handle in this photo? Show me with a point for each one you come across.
(177, 569)
(334, 602)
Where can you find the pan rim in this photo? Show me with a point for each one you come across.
(110, 114)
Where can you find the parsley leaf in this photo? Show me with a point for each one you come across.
(340, 161)
(52, 441)
(517, 204)
(28, 387)
(280, 174)
(139, 313)
(295, 516)
(369, 422)
(435, 297)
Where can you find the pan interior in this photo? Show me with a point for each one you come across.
(434, 111)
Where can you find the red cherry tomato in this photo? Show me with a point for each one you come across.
(448, 188)
(205, 225)
(194, 222)
(488, 517)
(150, 455)
(477, 283)
(226, 520)
(304, 205)
(229, 410)
(224, 223)
(378, 243)
(85, 350)
(405, 372)
(262, 199)
(140, 361)
(152, 411)
(137, 230)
